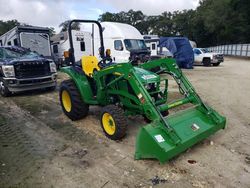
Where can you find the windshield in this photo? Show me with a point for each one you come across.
(14, 53)
(135, 44)
(204, 50)
(30, 54)
(11, 54)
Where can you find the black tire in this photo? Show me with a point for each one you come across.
(206, 62)
(216, 64)
(79, 109)
(4, 91)
(119, 119)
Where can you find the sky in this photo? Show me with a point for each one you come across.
(50, 13)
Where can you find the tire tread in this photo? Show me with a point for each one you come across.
(120, 121)
(79, 107)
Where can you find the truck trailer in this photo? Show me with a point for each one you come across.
(36, 39)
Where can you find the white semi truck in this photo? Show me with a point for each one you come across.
(36, 39)
(124, 41)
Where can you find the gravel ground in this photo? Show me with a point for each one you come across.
(40, 147)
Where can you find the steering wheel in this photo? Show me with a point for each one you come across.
(102, 63)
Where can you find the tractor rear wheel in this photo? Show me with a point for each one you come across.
(113, 122)
(72, 104)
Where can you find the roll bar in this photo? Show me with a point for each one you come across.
(71, 50)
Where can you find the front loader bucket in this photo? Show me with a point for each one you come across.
(191, 126)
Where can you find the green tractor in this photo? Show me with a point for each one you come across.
(123, 90)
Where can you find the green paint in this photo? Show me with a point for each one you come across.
(164, 138)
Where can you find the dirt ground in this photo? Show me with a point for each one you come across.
(41, 147)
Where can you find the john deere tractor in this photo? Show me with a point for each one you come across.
(122, 90)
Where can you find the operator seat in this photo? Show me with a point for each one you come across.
(89, 65)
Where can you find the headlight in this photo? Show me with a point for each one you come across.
(8, 70)
(52, 67)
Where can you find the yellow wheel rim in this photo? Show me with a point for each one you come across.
(66, 101)
(108, 123)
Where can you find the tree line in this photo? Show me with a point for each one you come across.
(8, 25)
(214, 22)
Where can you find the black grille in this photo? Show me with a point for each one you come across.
(219, 57)
(32, 69)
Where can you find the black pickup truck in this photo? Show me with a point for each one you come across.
(22, 70)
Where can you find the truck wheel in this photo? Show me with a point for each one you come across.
(216, 64)
(206, 62)
(72, 104)
(113, 122)
(4, 89)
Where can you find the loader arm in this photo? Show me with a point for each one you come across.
(170, 67)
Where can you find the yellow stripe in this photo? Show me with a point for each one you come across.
(175, 104)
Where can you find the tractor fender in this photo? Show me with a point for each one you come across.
(82, 83)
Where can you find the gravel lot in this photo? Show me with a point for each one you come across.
(40, 147)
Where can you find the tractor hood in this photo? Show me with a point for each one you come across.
(146, 77)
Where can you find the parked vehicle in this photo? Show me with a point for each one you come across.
(59, 44)
(152, 43)
(124, 41)
(22, 69)
(34, 38)
(204, 57)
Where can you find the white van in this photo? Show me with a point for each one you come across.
(122, 39)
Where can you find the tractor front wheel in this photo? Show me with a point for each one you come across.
(114, 123)
(72, 104)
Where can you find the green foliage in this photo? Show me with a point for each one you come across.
(64, 25)
(7, 25)
(214, 22)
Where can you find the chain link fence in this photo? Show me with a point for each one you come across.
(242, 50)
